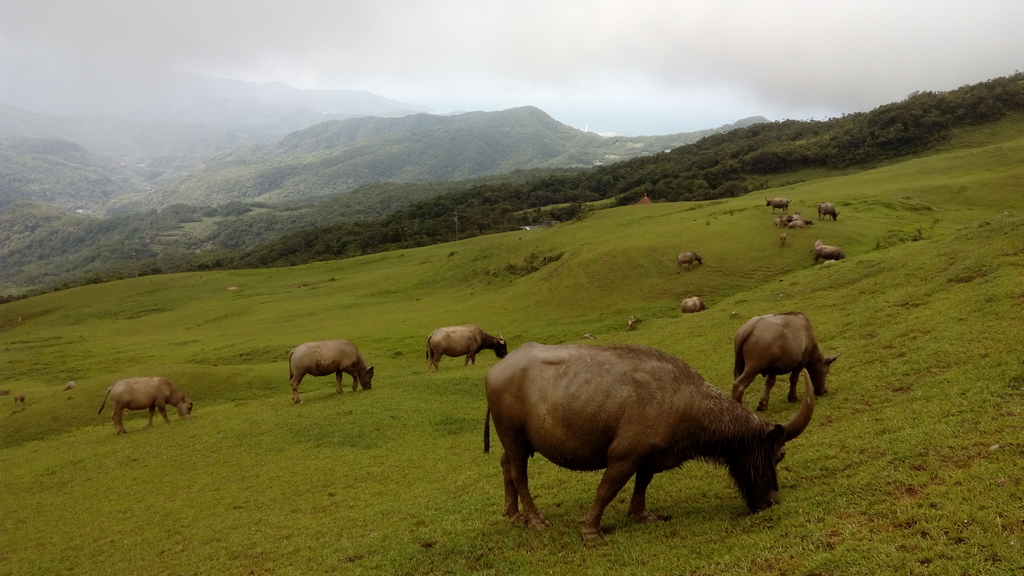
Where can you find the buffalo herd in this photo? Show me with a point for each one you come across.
(629, 410)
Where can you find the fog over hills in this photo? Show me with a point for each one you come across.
(86, 88)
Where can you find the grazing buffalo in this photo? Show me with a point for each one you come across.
(328, 357)
(826, 209)
(778, 344)
(827, 252)
(687, 258)
(145, 393)
(692, 304)
(70, 386)
(4, 392)
(466, 340)
(631, 410)
(782, 240)
(781, 203)
(19, 399)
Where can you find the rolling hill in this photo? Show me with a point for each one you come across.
(910, 464)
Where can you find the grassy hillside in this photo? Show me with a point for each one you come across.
(910, 465)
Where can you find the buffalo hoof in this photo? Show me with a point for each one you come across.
(591, 534)
(648, 517)
(538, 523)
(792, 398)
(762, 406)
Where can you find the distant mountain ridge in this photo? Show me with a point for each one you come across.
(335, 157)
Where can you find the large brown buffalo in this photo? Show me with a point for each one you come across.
(145, 393)
(467, 340)
(336, 357)
(630, 410)
(778, 344)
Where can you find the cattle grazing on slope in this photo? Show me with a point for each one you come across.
(145, 393)
(826, 209)
(336, 357)
(631, 410)
(782, 240)
(70, 386)
(781, 203)
(692, 304)
(778, 344)
(687, 258)
(467, 340)
(827, 252)
(19, 399)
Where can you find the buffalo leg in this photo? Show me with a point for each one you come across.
(337, 379)
(152, 410)
(638, 504)
(515, 465)
(355, 381)
(295, 388)
(511, 495)
(769, 383)
(471, 357)
(118, 421)
(615, 477)
(794, 378)
(163, 412)
(739, 386)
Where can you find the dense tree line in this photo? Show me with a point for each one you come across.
(718, 166)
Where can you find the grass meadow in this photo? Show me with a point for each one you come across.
(911, 464)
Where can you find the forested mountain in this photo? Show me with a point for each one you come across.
(61, 173)
(152, 149)
(718, 166)
(339, 156)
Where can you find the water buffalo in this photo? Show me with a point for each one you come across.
(70, 386)
(781, 203)
(336, 357)
(827, 252)
(19, 399)
(142, 393)
(692, 304)
(687, 258)
(631, 410)
(465, 340)
(782, 240)
(826, 209)
(777, 344)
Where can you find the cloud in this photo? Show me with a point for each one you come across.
(605, 57)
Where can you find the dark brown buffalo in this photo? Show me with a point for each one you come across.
(778, 344)
(336, 357)
(467, 340)
(145, 393)
(19, 399)
(630, 410)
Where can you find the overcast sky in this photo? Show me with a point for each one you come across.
(631, 67)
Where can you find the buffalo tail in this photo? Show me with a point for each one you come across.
(487, 431)
(105, 396)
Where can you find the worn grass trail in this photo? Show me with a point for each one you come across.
(911, 464)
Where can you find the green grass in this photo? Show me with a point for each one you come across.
(911, 464)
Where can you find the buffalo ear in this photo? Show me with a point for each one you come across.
(830, 359)
(370, 370)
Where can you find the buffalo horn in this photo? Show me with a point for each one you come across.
(802, 418)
